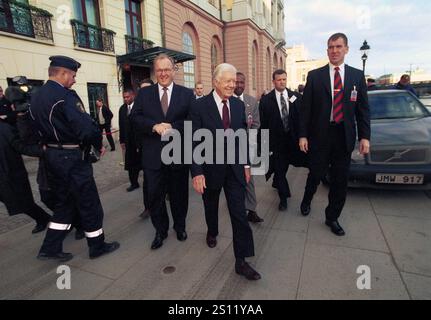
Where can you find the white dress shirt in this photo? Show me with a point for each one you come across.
(241, 97)
(169, 92)
(219, 103)
(332, 76)
(286, 98)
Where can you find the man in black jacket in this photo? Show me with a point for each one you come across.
(104, 118)
(335, 103)
(157, 109)
(279, 114)
(216, 112)
(15, 190)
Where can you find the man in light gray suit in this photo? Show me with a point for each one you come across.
(253, 122)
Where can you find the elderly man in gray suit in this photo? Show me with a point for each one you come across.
(253, 122)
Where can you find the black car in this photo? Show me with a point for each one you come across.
(400, 155)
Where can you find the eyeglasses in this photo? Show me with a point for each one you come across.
(160, 71)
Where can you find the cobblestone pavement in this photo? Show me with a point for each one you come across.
(108, 173)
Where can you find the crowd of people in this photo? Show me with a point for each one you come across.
(315, 128)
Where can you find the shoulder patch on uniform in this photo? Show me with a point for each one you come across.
(80, 107)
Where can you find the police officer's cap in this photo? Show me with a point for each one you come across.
(64, 62)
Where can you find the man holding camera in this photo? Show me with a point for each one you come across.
(66, 129)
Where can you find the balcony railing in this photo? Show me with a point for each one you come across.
(92, 37)
(134, 44)
(26, 20)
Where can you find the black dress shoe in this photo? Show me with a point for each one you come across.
(145, 214)
(305, 209)
(335, 227)
(244, 269)
(79, 234)
(59, 256)
(158, 240)
(283, 205)
(211, 241)
(253, 217)
(39, 227)
(182, 236)
(132, 187)
(107, 248)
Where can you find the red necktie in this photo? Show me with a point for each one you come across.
(337, 109)
(226, 121)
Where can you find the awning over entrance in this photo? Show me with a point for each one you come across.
(145, 57)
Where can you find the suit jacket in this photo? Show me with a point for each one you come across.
(252, 111)
(204, 114)
(128, 137)
(317, 104)
(107, 115)
(271, 119)
(147, 112)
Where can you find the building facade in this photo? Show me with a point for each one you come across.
(116, 41)
(247, 34)
(94, 32)
(298, 65)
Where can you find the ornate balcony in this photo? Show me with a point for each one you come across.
(92, 37)
(134, 44)
(25, 20)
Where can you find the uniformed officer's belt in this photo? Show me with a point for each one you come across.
(63, 146)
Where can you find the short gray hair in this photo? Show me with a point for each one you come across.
(223, 67)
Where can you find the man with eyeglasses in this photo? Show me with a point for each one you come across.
(158, 109)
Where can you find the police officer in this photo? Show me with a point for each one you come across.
(67, 130)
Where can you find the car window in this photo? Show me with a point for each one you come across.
(395, 106)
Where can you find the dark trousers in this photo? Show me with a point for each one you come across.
(133, 177)
(281, 165)
(175, 183)
(335, 158)
(73, 184)
(38, 214)
(107, 128)
(234, 191)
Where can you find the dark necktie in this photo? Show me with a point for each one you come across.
(284, 113)
(225, 118)
(164, 101)
(129, 109)
(337, 109)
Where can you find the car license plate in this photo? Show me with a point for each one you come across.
(399, 178)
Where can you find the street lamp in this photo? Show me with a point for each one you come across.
(364, 49)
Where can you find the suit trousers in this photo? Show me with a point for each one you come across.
(234, 191)
(172, 181)
(281, 165)
(335, 158)
(107, 128)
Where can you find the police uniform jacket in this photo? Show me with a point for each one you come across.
(59, 116)
(15, 190)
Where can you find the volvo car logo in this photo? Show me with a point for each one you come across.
(397, 155)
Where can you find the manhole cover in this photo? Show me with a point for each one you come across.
(169, 269)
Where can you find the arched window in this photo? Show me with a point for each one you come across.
(268, 69)
(189, 66)
(254, 66)
(275, 62)
(214, 59)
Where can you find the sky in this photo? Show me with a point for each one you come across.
(397, 31)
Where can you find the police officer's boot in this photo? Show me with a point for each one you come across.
(52, 247)
(98, 246)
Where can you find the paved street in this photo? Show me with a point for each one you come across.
(298, 257)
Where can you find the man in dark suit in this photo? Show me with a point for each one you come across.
(279, 114)
(217, 112)
(335, 102)
(159, 108)
(104, 118)
(132, 161)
